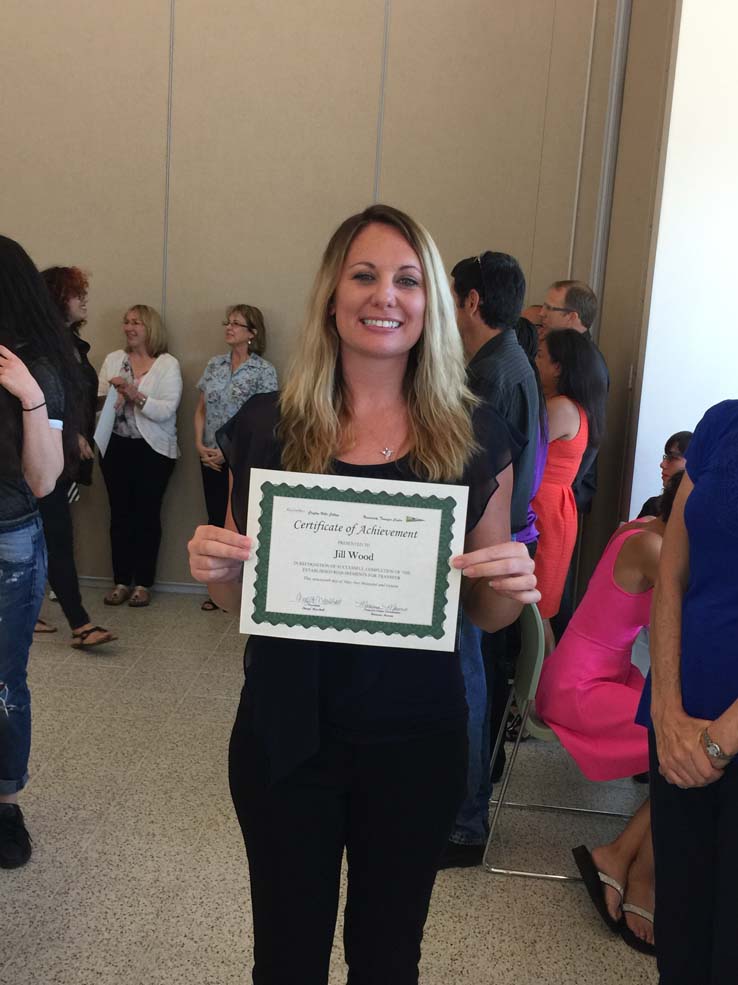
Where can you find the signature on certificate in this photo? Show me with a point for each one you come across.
(315, 602)
(377, 609)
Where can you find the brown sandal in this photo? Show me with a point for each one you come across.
(117, 595)
(79, 640)
(141, 596)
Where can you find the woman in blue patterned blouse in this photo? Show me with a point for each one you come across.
(228, 382)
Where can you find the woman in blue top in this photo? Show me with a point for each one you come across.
(694, 712)
(229, 380)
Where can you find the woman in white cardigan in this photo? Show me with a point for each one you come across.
(142, 451)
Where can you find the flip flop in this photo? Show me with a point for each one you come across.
(43, 627)
(209, 606)
(79, 640)
(594, 882)
(631, 939)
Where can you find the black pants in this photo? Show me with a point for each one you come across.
(392, 806)
(59, 534)
(695, 839)
(215, 487)
(136, 477)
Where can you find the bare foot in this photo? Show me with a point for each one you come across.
(640, 893)
(612, 864)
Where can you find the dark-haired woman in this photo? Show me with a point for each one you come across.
(572, 386)
(68, 288)
(228, 381)
(589, 694)
(38, 392)
(673, 461)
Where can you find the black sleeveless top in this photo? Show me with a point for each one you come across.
(297, 690)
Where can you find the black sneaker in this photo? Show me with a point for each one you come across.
(15, 842)
(457, 856)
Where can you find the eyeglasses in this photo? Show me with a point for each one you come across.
(672, 456)
(235, 324)
(552, 307)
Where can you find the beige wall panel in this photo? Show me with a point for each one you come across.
(645, 106)
(83, 114)
(566, 104)
(594, 135)
(464, 114)
(273, 143)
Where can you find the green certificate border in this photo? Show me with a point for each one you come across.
(270, 491)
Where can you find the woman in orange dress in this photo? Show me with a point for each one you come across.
(566, 363)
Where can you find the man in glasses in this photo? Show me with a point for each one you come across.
(573, 304)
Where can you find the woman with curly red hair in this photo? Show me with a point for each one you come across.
(68, 289)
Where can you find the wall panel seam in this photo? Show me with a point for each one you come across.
(582, 135)
(610, 145)
(168, 162)
(382, 89)
(543, 145)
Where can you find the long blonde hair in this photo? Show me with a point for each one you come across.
(313, 403)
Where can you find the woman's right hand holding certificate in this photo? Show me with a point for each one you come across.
(217, 554)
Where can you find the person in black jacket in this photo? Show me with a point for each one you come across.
(68, 289)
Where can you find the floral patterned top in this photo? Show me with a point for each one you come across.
(226, 392)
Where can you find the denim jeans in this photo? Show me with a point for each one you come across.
(22, 583)
(472, 820)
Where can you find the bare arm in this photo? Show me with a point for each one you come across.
(563, 418)
(42, 458)
(216, 558)
(498, 573)
(200, 424)
(637, 563)
(682, 760)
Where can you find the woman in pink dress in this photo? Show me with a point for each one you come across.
(589, 694)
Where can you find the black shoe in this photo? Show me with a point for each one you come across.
(15, 842)
(457, 856)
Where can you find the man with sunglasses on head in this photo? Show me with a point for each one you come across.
(573, 304)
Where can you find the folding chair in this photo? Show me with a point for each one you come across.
(523, 692)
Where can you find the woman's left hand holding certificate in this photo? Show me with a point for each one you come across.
(217, 554)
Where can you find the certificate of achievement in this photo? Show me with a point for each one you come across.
(347, 559)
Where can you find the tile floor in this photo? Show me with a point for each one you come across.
(138, 875)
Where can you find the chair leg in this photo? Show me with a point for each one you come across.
(498, 810)
(500, 737)
(506, 777)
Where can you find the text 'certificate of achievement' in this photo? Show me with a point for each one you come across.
(353, 560)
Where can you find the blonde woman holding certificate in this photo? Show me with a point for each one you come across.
(361, 748)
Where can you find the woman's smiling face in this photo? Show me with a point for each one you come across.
(379, 303)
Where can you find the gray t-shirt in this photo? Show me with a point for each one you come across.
(17, 502)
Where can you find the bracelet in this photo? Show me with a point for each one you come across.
(27, 410)
(141, 402)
